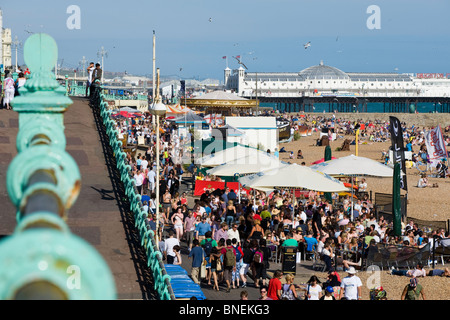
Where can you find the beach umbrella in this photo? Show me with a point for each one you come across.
(322, 160)
(327, 157)
(253, 163)
(396, 201)
(354, 166)
(227, 155)
(293, 176)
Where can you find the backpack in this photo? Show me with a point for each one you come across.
(208, 247)
(238, 253)
(258, 257)
(230, 258)
(286, 293)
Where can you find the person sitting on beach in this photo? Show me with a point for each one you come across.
(419, 271)
(299, 154)
(439, 272)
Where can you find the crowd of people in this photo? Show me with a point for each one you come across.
(229, 237)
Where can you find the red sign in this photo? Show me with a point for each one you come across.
(433, 75)
(201, 186)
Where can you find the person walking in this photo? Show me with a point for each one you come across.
(9, 91)
(351, 286)
(197, 254)
(413, 291)
(275, 286)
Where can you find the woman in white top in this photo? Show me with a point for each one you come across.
(9, 91)
(313, 289)
(177, 221)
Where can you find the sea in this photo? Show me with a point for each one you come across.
(374, 107)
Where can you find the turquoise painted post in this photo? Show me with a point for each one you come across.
(42, 259)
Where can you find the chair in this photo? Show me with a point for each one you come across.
(318, 262)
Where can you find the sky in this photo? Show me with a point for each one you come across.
(193, 36)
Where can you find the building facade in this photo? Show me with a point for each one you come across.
(6, 48)
(326, 81)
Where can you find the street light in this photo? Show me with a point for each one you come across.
(158, 109)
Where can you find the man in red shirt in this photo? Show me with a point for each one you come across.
(275, 287)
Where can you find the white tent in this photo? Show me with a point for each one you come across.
(247, 165)
(226, 155)
(293, 176)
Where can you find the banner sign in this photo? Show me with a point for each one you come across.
(435, 145)
(398, 150)
(201, 186)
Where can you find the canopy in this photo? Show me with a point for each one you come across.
(354, 166)
(293, 176)
(128, 109)
(227, 155)
(189, 118)
(247, 165)
(176, 109)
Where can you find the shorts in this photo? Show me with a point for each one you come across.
(166, 205)
(244, 268)
(235, 275)
(190, 236)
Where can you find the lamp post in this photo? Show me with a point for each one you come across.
(158, 109)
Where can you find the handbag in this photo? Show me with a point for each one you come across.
(203, 269)
(218, 265)
(307, 293)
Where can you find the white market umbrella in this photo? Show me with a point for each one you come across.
(247, 165)
(227, 155)
(354, 166)
(293, 176)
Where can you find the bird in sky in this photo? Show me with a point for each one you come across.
(307, 45)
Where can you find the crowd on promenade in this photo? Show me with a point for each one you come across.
(230, 238)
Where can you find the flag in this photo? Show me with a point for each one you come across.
(224, 57)
(238, 57)
(435, 145)
(396, 201)
(398, 150)
(183, 86)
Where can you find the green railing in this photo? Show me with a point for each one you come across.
(154, 257)
(42, 259)
(77, 90)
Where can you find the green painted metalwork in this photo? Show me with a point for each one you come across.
(154, 257)
(42, 259)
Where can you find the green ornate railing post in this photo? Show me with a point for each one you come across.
(42, 259)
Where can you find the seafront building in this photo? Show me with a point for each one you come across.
(342, 90)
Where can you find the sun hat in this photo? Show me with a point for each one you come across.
(351, 270)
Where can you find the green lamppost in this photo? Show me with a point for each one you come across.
(42, 259)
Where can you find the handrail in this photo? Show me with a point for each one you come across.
(154, 257)
(42, 259)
